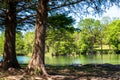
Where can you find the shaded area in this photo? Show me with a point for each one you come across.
(89, 71)
(68, 72)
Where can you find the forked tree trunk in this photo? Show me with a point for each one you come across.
(37, 61)
(9, 55)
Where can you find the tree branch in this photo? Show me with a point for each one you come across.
(68, 4)
(25, 6)
(27, 17)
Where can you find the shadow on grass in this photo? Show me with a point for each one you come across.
(86, 71)
(69, 72)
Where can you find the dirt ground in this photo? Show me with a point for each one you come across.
(69, 72)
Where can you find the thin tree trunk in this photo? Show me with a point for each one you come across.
(9, 55)
(92, 46)
(101, 45)
(37, 61)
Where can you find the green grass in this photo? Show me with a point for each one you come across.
(104, 47)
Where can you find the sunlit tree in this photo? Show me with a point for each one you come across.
(114, 35)
(19, 43)
(28, 43)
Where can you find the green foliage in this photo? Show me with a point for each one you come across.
(60, 42)
(59, 38)
(64, 40)
(28, 42)
(83, 43)
(1, 43)
(88, 32)
(60, 21)
(2, 4)
(19, 43)
(85, 23)
(114, 34)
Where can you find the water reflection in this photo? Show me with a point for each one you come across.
(82, 59)
(85, 59)
(21, 59)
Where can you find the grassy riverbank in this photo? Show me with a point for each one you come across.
(68, 72)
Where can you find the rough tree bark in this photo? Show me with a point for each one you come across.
(9, 55)
(37, 61)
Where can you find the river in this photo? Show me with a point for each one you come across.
(82, 59)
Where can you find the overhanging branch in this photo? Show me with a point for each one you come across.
(68, 4)
(25, 7)
(27, 17)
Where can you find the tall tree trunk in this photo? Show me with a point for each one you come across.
(9, 55)
(37, 61)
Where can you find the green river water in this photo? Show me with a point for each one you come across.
(70, 60)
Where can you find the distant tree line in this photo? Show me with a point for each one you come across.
(63, 39)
